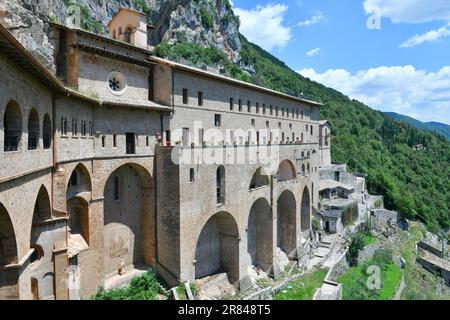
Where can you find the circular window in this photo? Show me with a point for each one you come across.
(117, 83)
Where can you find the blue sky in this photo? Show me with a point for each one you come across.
(391, 55)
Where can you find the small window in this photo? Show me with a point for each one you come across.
(296, 112)
(290, 126)
(116, 189)
(312, 130)
(200, 99)
(240, 105)
(168, 137)
(279, 125)
(276, 111)
(103, 141)
(217, 120)
(147, 141)
(267, 124)
(115, 141)
(117, 83)
(231, 104)
(282, 112)
(249, 106)
(302, 114)
(257, 107)
(131, 143)
(253, 122)
(185, 96)
(271, 110)
(307, 128)
(191, 175)
(264, 109)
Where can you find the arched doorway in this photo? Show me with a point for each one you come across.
(259, 235)
(305, 216)
(12, 124)
(286, 223)
(217, 248)
(9, 287)
(128, 234)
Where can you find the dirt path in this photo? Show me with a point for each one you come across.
(400, 289)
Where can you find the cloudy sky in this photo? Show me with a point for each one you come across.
(393, 55)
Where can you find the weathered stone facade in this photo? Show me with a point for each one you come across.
(104, 191)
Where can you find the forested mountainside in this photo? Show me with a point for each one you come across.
(416, 183)
(439, 128)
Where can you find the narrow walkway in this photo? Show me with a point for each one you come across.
(398, 294)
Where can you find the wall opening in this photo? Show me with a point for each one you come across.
(286, 223)
(12, 124)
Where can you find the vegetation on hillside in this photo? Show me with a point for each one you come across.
(416, 183)
(355, 280)
(303, 288)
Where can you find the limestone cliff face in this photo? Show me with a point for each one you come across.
(205, 22)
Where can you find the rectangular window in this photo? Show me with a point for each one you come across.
(231, 104)
(200, 99)
(312, 130)
(217, 120)
(240, 105)
(267, 124)
(116, 189)
(130, 143)
(271, 110)
(168, 138)
(249, 106)
(290, 126)
(279, 125)
(185, 96)
(253, 122)
(264, 109)
(147, 142)
(257, 107)
(185, 136)
(151, 90)
(282, 112)
(276, 111)
(103, 141)
(115, 141)
(296, 113)
(200, 136)
(302, 114)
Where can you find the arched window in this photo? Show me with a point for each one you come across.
(220, 184)
(33, 130)
(191, 175)
(47, 131)
(308, 169)
(303, 170)
(127, 34)
(12, 123)
(286, 171)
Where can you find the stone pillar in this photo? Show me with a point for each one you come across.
(61, 264)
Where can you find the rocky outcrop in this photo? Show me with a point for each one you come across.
(204, 22)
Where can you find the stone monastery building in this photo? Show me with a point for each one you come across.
(104, 166)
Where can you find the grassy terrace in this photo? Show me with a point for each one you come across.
(303, 288)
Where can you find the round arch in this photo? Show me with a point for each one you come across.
(128, 233)
(259, 179)
(287, 223)
(8, 244)
(305, 215)
(79, 182)
(217, 248)
(286, 171)
(47, 131)
(33, 129)
(259, 234)
(12, 125)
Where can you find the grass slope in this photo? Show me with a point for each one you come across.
(304, 288)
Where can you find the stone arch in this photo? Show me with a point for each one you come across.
(8, 244)
(305, 216)
(78, 208)
(259, 179)
(287, 223)
(9, 278)
(47, 131)
(79, 183)
(129, 231)
(217, 248)
(42, 207)
(286, 171)
(39, 242)
(12, 124)
(259, 234)
(33, 130)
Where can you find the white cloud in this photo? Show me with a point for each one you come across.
(317, 18)
(313, 52)
(264, 25)
(430, 36)
(410, 11)
(403, 89)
